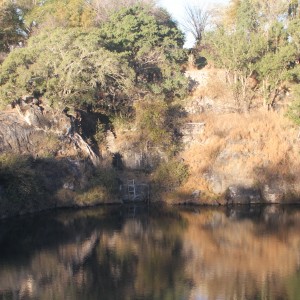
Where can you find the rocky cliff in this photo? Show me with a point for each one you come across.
(232, 157)
(238, 157)
(46, 163)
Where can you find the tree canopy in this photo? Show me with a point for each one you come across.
(12, 29)
(136, 52)
(262, 39)
(66, 66)
(152, 45)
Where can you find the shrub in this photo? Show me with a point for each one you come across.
(151, 120)
(20, 183)
(106, 178)
(170, 175)
(294, 109)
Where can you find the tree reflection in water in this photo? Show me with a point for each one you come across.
(197, 253)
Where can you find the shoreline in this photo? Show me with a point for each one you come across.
(144, 204)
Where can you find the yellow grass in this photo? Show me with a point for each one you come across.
(263, 145)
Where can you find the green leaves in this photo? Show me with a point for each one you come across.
(66, 66)
(294, 109)
(236, 51)
(152, 47)
(137, 52)
(263, 41)
(246, 17)
(12, 29)
(63, 13)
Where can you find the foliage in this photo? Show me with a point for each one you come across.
(294, 109)
(74, 13)
(63, 13)
(134, 51)
(157, 123)
(294, 34)
(12, 29)
(246, 17)
(170, 175)
(273, 69)
(66, 67)
(105, 8)
(99, 136)
(106, 178)
(152, 45)
(238, 52)
(102, 188)
(151, 119)
(260, 43)
(20, 182)
(29, 184)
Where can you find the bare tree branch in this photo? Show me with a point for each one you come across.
(195, 21)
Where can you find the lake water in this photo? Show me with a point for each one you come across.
(152, 253)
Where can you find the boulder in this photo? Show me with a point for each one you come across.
(242, 195)
(273, 193)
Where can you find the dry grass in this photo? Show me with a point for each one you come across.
(94, 196)
(260, 146)
(215, 85)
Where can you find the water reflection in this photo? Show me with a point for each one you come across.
(150, 253)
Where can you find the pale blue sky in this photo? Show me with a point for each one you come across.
(177, 9)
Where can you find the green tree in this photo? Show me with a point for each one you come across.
(238, 52)
(106, 66)
(105, 8)
(61, 13)
(294, 33)
(246, 17)
(153, 46)
(294, 109)
(259, 42)
(66, 67)
(12, 30)
(273, 71)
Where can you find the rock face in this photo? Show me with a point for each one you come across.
(246, 157)
(273, 193)
(41, 131)
(54, 167)
(23, 131)
(126, 153)
(242, 195)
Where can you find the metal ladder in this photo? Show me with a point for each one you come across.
(131, 189)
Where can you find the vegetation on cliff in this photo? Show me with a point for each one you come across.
(257, 42)
(96, 68)
(136, 52)
(119, 68)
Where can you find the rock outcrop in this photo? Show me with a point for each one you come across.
(41, 131)
(53, 166)
(242, 158)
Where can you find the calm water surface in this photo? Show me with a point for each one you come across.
(152, 253)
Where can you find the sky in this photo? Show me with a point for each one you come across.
(177, 9)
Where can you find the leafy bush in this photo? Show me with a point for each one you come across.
(294, 109)
(151, 121)
(170, 175)
(106, 178)
(66, 66)
(99, 66)
(20, 183)
(158, 123)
